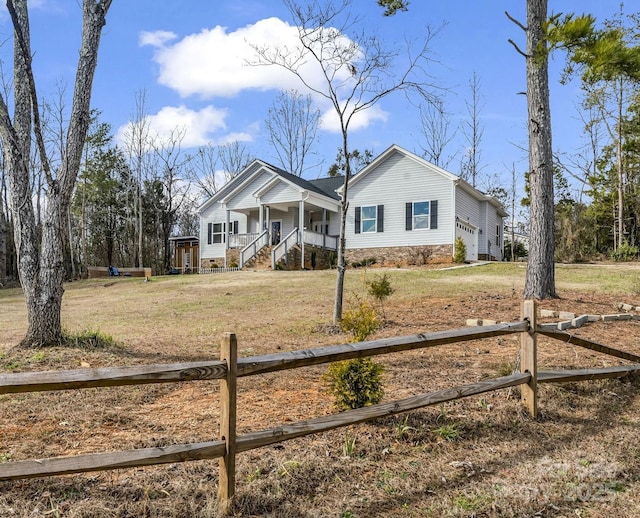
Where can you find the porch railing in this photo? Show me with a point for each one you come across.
(242, 240)
(320, 240)
(281, 249)
(252, 249)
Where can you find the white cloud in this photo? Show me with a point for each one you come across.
(215, 62)
(361, 120)
(156, 38)
(199, 127)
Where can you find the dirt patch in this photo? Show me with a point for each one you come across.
(481, 456)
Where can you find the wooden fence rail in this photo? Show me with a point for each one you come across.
(229, 368)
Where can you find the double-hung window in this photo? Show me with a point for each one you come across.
(369, 218)
(215, 233)
(421, 215)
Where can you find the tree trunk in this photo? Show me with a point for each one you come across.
(540, 279)
(41, 254)
(3, 246)
(621, 230)
(342, 240)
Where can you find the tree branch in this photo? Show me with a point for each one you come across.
(515, 46)
(37, 126)
(523, 27)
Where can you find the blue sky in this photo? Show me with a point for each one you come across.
(189, 58)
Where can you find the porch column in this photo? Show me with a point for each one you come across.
(323, 229)
(268, 224)
(227, 234)
(260, 219)
(301, 231)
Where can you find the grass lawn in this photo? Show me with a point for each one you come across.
(481, 456)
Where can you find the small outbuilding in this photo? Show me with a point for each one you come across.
(185, 252)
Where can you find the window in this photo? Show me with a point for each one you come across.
(369, 219)
(421, 215)
(498, 235)
(215, 233)
(218, 233)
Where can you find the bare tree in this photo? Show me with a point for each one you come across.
(137, 144)
(203, 166)
(234, 157)
(41, 260)
(173, 186)
(436, 128)
(357, 70)
(473, 132)
(293, 124)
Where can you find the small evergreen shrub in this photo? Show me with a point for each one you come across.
(360, 322)
(355, 383)
(460, 253)
(380, 289)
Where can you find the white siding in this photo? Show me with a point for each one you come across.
(289, 220)
(280, 193)
(494, 222)
(216, 214)
(485, 228)
(245, 198)
(468, 208)
(395, 182)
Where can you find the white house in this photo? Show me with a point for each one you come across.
(402, 210)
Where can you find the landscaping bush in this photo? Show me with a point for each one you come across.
(460, 253)
(355, 383)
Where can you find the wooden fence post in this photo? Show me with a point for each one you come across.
(227, 469)
(528, 358)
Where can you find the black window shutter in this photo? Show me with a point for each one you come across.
(224, 232)
(209, 233)
(235, 227)
(380, 225)
(409, 216)
(357, 227)
(434, 214)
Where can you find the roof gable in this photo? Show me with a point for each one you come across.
(256, 167)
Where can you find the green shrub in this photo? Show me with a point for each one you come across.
(460, 253)
(233, 264)
(360, 322)
(355, 383)
(380, 289)
(624, 253)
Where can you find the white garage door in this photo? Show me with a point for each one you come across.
(469, 235)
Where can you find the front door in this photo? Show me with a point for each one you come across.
(276, 228)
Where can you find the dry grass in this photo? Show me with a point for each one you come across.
(481, 456)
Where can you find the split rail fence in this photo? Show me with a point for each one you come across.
(229, 368)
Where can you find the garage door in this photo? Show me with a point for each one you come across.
(469, 235)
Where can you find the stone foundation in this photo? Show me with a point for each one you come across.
(314, 259)
(402, 255)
